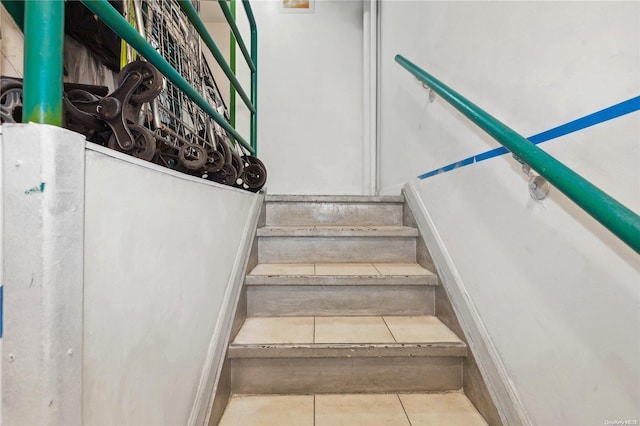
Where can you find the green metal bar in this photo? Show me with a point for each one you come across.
(231, 19)
(192, 14)
(254, 74)
(620, 220)
(110, 16)
(232, 59)
(43, 51)
(16, 10)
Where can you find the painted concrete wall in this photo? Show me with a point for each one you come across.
(557, 293)
(310, 130)
(120, 283)
(42, 234)
(220, 33)
(160, 252)
(11, 41)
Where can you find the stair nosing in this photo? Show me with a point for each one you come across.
(343, 199)
(348, 350)
(343, 280)
(340, 231)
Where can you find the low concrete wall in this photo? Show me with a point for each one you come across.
(157, 260)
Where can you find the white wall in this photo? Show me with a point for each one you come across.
(161, 258)
(310, 97)
(11, 41)
(220, 33)
(120, 282)
(557, 293)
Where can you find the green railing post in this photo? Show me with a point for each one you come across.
(230, 14)
(110, 16)
(192, 14)
(43, 55)
(254, 73)
(232, 59)
(620, 220)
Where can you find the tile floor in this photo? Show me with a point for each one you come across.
(355, 269)
(369, 329)
(445, 409)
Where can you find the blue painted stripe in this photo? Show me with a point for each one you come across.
(598, 117)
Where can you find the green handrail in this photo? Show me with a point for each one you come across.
(236, 32)
(254, 74)
(192, 14)
(620, 220)
(43, 42)
(232, 60)
(110, 16)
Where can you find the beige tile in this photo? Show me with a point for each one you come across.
(447, 409)
(366, 269)
(259, 330)
(360, 410)
(419, 329)
(269, 410)
(352, 330)
(401, 269)
(283, 269)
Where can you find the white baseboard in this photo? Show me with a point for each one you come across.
(489, 362)
(201, 409)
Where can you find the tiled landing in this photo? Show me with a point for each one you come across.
(347, 329)
(416, 409)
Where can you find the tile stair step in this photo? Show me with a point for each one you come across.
(346, 374)
(345, 354)
(339, 300)
(344, 330)
(359, 246)
(348, 350)
(337, 231)
(336, 210)
(375, 409)
(341, 274)
(355, 199)
(361, 289)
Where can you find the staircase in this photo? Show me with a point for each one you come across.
(341, 326)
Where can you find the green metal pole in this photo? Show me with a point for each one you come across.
(620, 220)
(192, 14)
(43, 52)
(230, 14)
(232, 59)
(254, 74)
(120, 26)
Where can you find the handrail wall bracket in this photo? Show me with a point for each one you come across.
(613, 215)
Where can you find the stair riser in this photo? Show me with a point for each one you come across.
(336, 250)
(289, 300)
(356, 214)
(336, 375)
